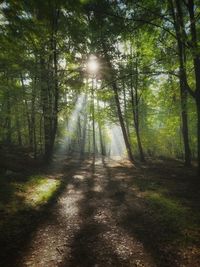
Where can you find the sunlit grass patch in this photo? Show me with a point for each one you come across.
(38, 190)
(21, 195)
(24, 202)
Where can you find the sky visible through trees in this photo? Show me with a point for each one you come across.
(132, 66)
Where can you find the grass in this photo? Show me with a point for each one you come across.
(173, 206)
(166, 217)
(169, 214)
(38, 190)
(18, 195)
(23, 202)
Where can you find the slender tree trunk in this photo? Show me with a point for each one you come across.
(125, 111)
(135, 109)
(93, 120)
(8, 137)
(18, 126)
(19, 136)
(126, 140)
(83, 138)
(119, 111)
(30, 134)
(101, 141)
(103, 153)
(196, 63)
(136, 126)
(178, 24)
(198, 132)
(56, 88)
(184, 115)
(41, 124)
(198, 114)
(79, 133)
(142, 158)
(89, 139)
(33, 119)
(46, 111)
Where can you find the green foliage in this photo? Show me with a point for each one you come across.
(44, 50)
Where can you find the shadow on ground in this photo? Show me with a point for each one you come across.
(123, 217)
(18, 227)
(92, 245)
(137, 218)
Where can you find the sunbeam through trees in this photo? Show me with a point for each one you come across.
(99, 133)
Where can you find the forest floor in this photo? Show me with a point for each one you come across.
(101, 213)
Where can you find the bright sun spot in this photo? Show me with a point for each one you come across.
(92, 64)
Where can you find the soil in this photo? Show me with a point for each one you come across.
(96, 222)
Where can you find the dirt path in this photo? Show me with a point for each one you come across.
(84, 228)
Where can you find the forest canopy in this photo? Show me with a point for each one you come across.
(101, 77)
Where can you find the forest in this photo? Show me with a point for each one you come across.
(100, 133)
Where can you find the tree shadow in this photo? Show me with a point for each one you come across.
(18, 228)
(118, 204)
(157, 222)
(92, 244)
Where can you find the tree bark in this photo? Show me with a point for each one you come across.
(119, 111)
(8, 136)
(93, 120)
(103, 152)
(178, 24)
(125, 111)
(198, 131)
(135, 109)
(196, 63)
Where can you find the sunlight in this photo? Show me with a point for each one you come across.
(27, 81)
(73, 120)
(62, 63)
(117, 145)
(71, 125)
(42, 191)
(92, 64)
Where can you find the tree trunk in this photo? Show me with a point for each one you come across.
(93, 120)
(122, 124)
(18, 126)
(8, 136)
(135, 110)
(198, 131)
(136, 126)
(184, 115)
(125, 111)
(119, 112)
(30, 135)
(84, 128)
(178, 24)
(48, 149)
(33, 119)
(196, 63)
(103, 153)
